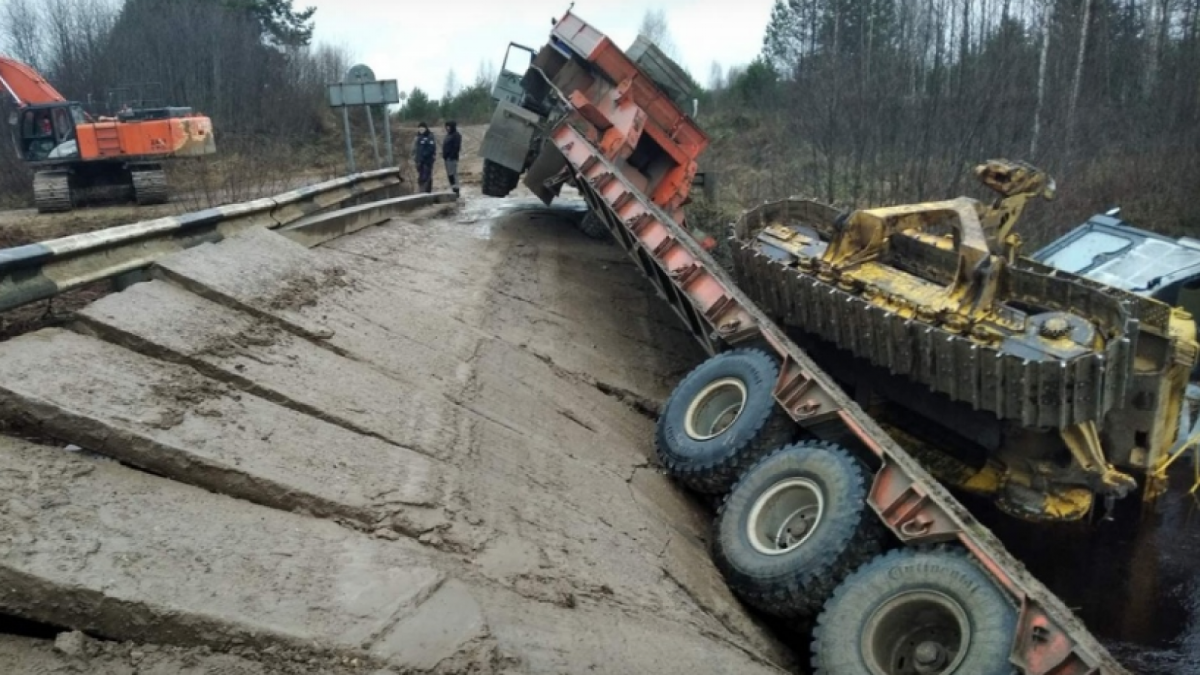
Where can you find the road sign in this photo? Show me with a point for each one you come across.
(360, 88)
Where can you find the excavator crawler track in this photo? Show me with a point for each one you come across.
(52, 191)
(150, 186)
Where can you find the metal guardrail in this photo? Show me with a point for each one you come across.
(39, 271)
(317, 229)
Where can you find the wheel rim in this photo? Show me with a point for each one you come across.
(916, 633)
(715, 409)
(785, 516)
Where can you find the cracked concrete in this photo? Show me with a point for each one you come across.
(481, 407)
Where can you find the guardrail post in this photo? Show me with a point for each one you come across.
(387, 135)
(349, 143)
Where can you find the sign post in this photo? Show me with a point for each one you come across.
(360, 88)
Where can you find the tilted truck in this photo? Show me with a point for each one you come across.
(826, 513)
(525, 110)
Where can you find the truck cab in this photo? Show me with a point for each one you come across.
(1113, 252)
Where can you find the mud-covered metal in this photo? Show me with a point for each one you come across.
(890, 308)
(1078, 382)
(509, 136)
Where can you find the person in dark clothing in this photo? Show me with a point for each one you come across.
(450, 149)
(424, 155)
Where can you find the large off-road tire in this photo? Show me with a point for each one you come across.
(720, 419)
(498, 180)
(916, 612)
(592, 226)
(794, 527)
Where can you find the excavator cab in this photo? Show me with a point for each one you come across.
(47, 131)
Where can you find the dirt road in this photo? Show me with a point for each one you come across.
(422, 448)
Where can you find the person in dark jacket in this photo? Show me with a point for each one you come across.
(450, 149)
(424, 155)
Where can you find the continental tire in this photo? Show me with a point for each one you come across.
(498, 180)
(793, 527)
(916, 612)
(720, 419)
(594, 227)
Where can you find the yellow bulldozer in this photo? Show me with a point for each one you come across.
(1040, 387)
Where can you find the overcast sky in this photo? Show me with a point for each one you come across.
(418, 42)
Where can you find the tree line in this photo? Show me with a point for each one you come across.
(248, 64)
(884, 101)
(470, 104)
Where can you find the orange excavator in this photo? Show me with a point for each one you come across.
(74, 153)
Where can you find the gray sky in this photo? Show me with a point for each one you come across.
(417, 43)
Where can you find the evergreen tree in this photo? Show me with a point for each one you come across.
(281, 23)
(783, 40)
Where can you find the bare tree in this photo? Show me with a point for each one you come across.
(486, 75)
(19, 31)
(894, 100)
(654, 27)
(1047, 9)
(451, 85)
(1077, 84)
(716, 77)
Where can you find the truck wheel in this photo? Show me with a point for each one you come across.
(793, 527)
(720, 419)
(594, 227)
(916, 612)
(498, 180)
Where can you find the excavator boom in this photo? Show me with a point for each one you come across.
(25, 85)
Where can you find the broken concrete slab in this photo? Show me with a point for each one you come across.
(169, 419)
(167, 322)
(254, 271)
(318, 295)
(95, 546)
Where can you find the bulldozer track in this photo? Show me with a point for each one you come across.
(150, 186)
(52, 191)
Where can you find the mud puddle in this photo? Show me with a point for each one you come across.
(484, 213)
(1134, 580)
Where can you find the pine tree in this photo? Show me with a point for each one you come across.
(282, 24)
(782, 42)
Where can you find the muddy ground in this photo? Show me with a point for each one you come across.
(425, 447)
